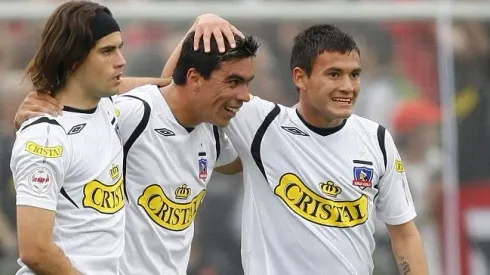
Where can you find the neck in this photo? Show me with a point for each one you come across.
(179, 102)
(74, 96)
(316, 119)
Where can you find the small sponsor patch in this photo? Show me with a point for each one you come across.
(44, 151)
(399, 166)
(40, 180)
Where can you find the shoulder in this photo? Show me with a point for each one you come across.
(145, 93)
(43, 137)
(137, 102)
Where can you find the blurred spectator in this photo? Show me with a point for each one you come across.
(416, 128)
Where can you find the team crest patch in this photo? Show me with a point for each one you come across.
(363, 177)
(40, 180)
(203, 169)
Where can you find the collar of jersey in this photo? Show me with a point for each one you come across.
(321, 131)
(83, 111)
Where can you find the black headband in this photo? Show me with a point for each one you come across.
(102, 25)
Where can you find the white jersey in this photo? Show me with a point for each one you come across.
(311, 194)
(72, 165)
(167, 169)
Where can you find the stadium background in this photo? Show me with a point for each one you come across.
(425, 77)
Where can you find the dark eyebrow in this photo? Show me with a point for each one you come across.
(111, 47)
(336, 69)
(239, 78)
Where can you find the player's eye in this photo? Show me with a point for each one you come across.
(355, 75)
(234, 82)
(333, 74)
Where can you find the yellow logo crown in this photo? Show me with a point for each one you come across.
(114, 171)
(182, 192)
(330, 189)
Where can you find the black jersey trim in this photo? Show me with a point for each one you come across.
(134, 136)
(381, 141)
(64, 194)
(321, 131)
(76, 110)
(259, 135)
(218, 143)
(42, 120)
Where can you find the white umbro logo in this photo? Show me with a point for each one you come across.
(165, 132)
(295, 131)
(76, 129)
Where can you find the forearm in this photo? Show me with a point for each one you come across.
(50, 261)
(129, 83)
(169, 67)
(410, 256)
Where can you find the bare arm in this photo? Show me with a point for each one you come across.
(36, 248)
(129, 83)
(408, 249)
(204, 26)
(231, 168)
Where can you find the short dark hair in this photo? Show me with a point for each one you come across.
(66, 42)
(206, 63)
(317, 39)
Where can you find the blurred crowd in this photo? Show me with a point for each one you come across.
(400, 90)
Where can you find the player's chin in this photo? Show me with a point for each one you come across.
(342, 113)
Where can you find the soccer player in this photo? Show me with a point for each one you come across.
(67, 169)
(171, 148)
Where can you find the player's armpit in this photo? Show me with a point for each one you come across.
(408, 249)
(36, 248)
(231, 168)
(129, 83)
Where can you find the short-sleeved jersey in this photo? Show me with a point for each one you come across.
(167, 169)
(72, 165)
(311, 194)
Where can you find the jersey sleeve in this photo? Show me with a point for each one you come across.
(250, 117)
(394, 203)
(228, 153)
(129, 111)
(40, 159)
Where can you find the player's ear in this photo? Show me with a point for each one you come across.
(300, 78)
(194, 78)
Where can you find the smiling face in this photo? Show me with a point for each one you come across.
(331, 90)
(221, 96)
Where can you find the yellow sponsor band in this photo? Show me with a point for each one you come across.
(166, 213)
(44, 151)
(315, 208)
(104, 198)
